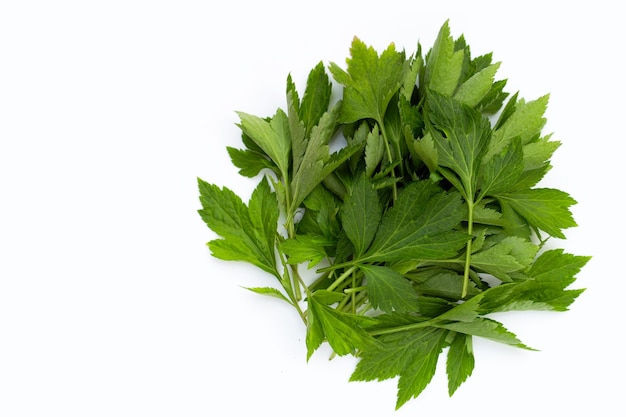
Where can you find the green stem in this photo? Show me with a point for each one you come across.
(342, 277)
(404, 328)
(468, 250)
(389, 156)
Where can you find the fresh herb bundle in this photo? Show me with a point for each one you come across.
(429, 217)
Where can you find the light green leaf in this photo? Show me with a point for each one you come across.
(316, 97)
(472, 91)
(370, 81)
(273, 136)
(374, 150)
(250, 163)
(520, 119)
(311, 170)
(269, 291)
(549, 276)
(426, 150)
(537, 153)
(444, 64)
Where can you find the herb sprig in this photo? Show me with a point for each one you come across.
(425, 222)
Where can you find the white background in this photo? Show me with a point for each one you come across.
(110, 303)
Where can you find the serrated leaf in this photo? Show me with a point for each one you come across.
(544, 208)
(444, 64)
(316, 97)
(474, 90)
(388, 290)
(374, 151)
(427, 152)
(420, 371)
(549, 276)
(509, 255)
(485, 328)
(370, 81)
(250, 163)
(502, 172)
(340, 330)
(460, 361)
(461, 135)
(536, 153)
(225, 214)
(271, 136)
(447, 285)
(269, 291)
(419, 226)
(306, 248)
(520, 119)
(361, 214)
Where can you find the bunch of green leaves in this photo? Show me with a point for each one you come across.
(428, 218)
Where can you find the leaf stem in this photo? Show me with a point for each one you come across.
(389, 156)
(468, 249)
(342, 277)
(403, 328)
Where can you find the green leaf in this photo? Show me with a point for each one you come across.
(419, 373)
(412, 355)
(419, 226)
(271, 136)
(511, 254)
(243, 239)
(546, 209)
(444, 64)
(341, 330)
(370, 81)
(269, 291)
(486, 328)
(306, 248)
(537, 153)
(317, 162)
(250, 163)
(374, 150)
(549, 276)
(461, 135)
(502, 172)
(520, 119)
(474, 90)
(460, 362)
(316, 97)
(388, 290)
(361, 214)
(445, 284)
(264, 212)
(426, 150)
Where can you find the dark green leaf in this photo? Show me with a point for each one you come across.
(388, 290)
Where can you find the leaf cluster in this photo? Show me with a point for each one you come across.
(427, 218)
